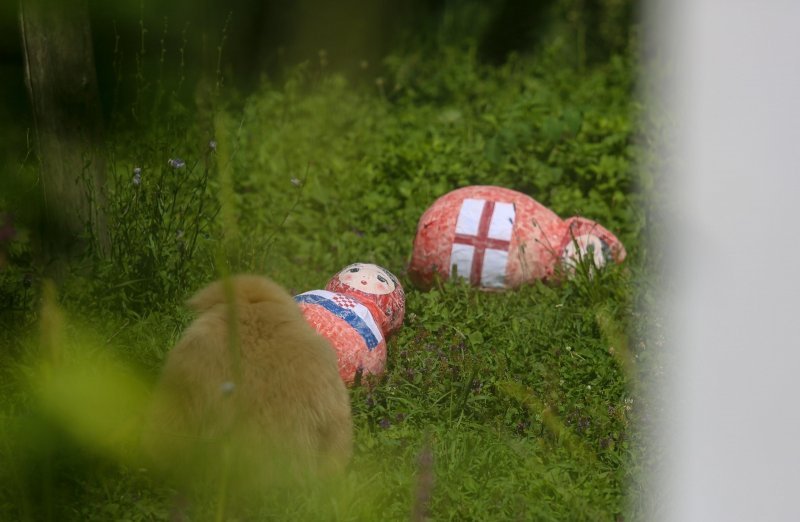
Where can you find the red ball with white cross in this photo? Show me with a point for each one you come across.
(499, 238)
(359, 308)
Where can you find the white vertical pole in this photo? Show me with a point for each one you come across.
(732, 430)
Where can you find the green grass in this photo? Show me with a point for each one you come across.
(524, 401)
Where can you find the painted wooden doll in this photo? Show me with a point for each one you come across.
(359, 307)
(499, 238)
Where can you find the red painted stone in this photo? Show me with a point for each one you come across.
(358, 309)
(499, 238)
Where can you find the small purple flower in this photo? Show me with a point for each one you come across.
(137, 176)
(176, 163)
(385, 423)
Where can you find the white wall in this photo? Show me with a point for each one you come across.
(732, 429)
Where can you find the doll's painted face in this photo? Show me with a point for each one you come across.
(583, 248)
(376, 287)
(370, 279)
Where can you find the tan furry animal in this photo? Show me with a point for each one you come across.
(264, 395)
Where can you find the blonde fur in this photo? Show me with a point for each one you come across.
(268, 388)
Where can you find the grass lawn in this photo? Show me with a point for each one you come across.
(495, 406)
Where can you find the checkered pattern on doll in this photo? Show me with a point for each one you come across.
(499, 238)
(359, 307)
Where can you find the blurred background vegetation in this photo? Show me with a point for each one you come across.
(262, 38)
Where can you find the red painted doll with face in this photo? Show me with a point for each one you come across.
(498, 238)
(359, 307)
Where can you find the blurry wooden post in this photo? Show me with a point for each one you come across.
(62, 83)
